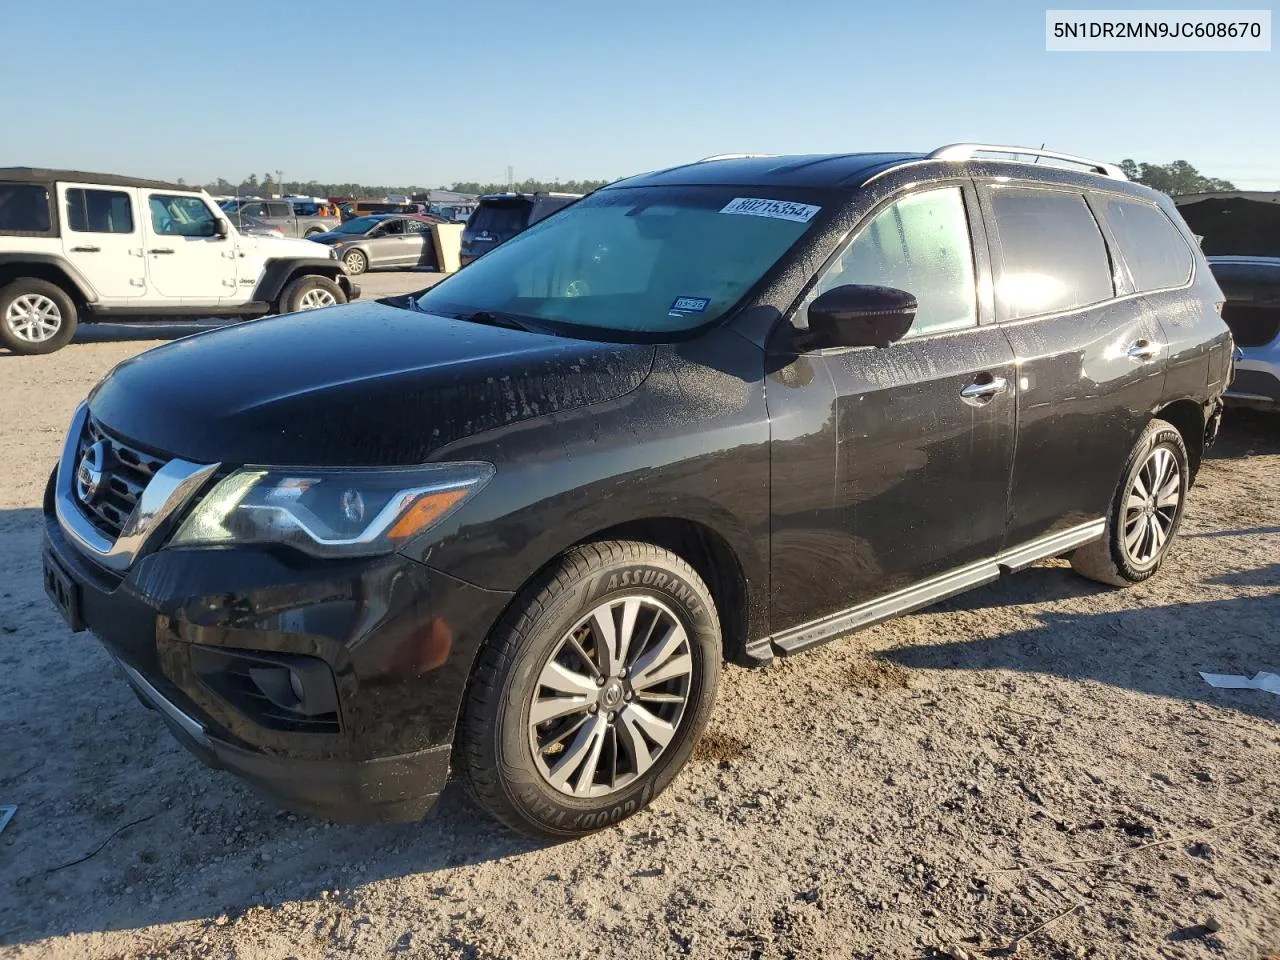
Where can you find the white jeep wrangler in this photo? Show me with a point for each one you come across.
(83, 247)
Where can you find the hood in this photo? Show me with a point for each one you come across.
(280, 247)
(364, 384)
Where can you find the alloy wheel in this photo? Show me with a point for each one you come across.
(1151, 507)
(355, 262)
(315, 298)
(33, 317)
(611, 696)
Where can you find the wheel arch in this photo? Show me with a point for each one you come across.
(51, 269)
(278, 274)
(1187, 416)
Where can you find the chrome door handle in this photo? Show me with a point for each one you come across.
(983, 389)
(1144, 351)
(86, 249)
(161, 250)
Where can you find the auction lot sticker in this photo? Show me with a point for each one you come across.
(773, 209)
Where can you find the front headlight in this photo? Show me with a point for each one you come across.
(330, 513)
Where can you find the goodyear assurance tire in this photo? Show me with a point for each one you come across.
(35, 317)
(1145, 512)
(592, 691)
(355, 262)
(311, 293)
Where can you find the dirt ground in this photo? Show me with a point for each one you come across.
(1039, 751)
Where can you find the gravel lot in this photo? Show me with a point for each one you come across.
(1039, 750)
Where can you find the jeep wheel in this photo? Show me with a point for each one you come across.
(592, 691)
(1145, 512)
(35, 317)
(311, 293)
(356, 262)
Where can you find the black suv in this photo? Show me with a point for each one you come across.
(729, 410)
(500, 216)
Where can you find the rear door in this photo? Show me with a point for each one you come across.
(102, 238)
(187, 262)
(419, 246)
(1090, 357)
(913, 480)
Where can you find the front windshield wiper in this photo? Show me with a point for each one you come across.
(489, 318)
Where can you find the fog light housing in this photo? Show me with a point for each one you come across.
(279, 691)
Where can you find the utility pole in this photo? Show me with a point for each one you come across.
(510, 178)
(280, 182)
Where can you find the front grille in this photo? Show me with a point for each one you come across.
(126, 473)
(1252, 325)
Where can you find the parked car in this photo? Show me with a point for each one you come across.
(732, 409)
(283, 214)
(79, 247)
(382, 240)
(365, 208)
(500, 216)
(1240, 232)
(253, 227)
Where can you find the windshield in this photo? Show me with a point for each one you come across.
(638, 259)
(501, 217)
(358, 225)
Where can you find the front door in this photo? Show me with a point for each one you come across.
(187, 262)
(102, 238)
(892, 465)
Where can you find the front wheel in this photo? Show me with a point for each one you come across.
(1145, 511)
(592, 691)
(355, 262)
(311, 292)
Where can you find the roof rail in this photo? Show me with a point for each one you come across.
(735, 156)
(966, 151)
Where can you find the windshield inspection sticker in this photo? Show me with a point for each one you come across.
(773, 209)
(690, 304)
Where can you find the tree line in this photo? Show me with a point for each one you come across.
(1178, 177)
(253, 186)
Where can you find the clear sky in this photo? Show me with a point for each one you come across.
(429, 92)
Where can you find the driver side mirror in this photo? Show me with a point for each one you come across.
(221, 228)
(861, 315)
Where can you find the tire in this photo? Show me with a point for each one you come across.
(310, 292)
(355, 262)
(1130, 551)
(497, 742)
(27, 309)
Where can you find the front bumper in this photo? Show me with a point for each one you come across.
(397, 637)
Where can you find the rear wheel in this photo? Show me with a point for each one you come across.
(592, 692)
(1145, 512)
(355, 262)
(36, 316)
(313, 232)
(311, 292)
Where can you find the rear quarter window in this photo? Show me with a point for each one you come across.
(1152, 247)
(1052, 255)
(25, 208)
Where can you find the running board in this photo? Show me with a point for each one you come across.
(922, 594)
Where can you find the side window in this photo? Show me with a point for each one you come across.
(279, 210)
(416, 226)
(24, 208)
(99, 211)
(1052, 254)
(1152, 247)
(393, 228)
(919, 244)
(180, 216)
